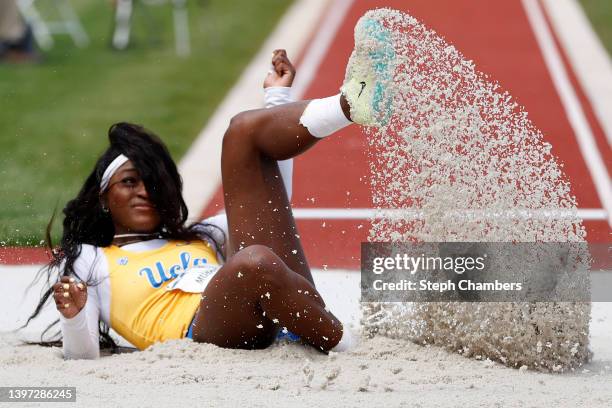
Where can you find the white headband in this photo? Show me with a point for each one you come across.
(110, 170)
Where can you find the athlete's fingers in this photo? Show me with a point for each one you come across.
(286, 71)
(281, 60)
(282, 66)
(63, 286)
(59, 302)
(73, 291)
(61, 296)
(69, 291)
(64, 280)
(276, 69)
(62, 307)
(280, 56)
(59, 293)
(279, 51)
(289, 69)
(275, 56)
(78, 293)
(71, 281)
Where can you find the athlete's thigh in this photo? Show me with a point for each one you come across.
(258, 208)
(229, 313)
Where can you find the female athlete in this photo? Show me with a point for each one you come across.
(128, 261)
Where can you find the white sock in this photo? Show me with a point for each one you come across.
(346, 342)
(322, 117)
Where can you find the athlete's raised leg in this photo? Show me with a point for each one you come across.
(266, 282)
(258, 209)
(256, 202)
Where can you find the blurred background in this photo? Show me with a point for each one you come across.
(57, 104)
(171, 72)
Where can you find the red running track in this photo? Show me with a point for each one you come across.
(498, 37)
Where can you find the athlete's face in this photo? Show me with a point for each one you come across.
(128, 202)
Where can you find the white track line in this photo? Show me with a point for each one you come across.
(370, 213)
(571, 104)
(320, 44)
(587, 54)
(201, 166)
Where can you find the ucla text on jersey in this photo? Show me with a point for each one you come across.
(158, 274)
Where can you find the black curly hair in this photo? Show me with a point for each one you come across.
(85, 222)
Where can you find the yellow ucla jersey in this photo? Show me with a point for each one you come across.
(141, 309)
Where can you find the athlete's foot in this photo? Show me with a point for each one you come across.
(368, 86)
(347, 342)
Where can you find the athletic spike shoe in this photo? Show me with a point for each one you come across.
(285, 334)
(368, 86)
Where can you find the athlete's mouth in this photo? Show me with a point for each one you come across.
(143, 206)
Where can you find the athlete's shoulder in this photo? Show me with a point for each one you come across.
(88, 250)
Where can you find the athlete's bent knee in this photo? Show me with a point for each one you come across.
(238, 140)
(263, 263)
(241, 125)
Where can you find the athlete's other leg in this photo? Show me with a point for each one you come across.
(237, 311)
(252, 295)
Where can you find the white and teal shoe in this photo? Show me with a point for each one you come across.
(368, 83)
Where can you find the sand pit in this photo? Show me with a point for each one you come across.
(380, 371)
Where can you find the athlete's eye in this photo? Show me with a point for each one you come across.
(129, 181)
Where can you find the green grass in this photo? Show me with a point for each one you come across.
(54, 116)
(600, 14)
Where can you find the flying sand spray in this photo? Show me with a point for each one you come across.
(468, 165)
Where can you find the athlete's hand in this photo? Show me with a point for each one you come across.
(70, 296)
(282, 71)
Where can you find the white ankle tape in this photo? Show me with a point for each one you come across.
(322, 117)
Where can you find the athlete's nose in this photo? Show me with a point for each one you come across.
(141, 190)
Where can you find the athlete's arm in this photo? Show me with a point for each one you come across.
(81, 333)
(277, 91)
(80, 319)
